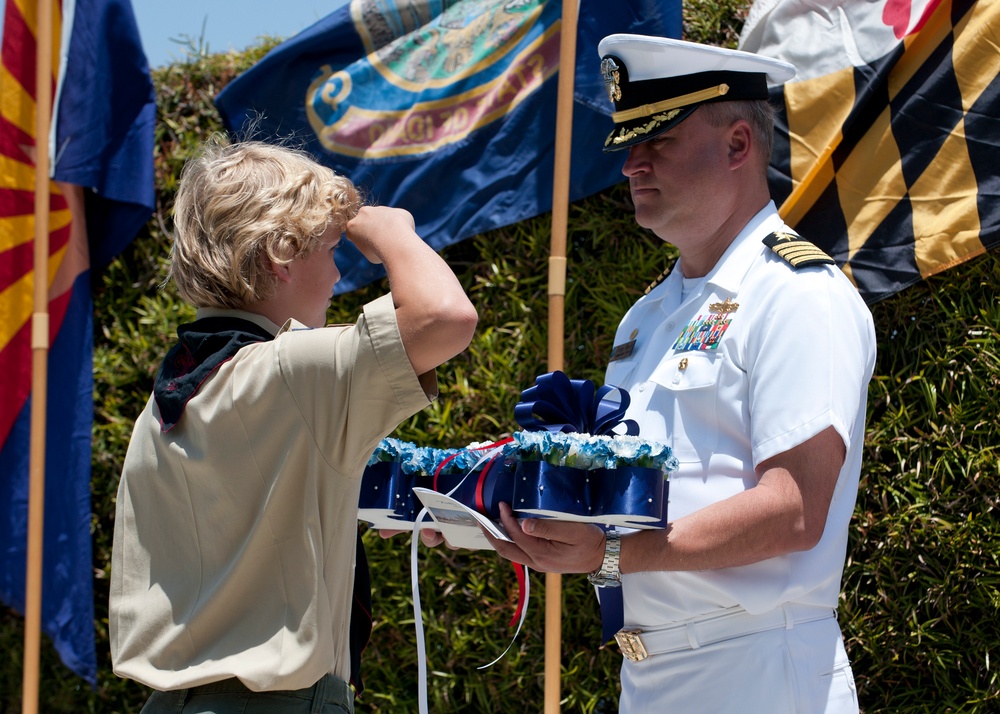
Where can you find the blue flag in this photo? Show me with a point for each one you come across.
(446, 108)
(102, 194)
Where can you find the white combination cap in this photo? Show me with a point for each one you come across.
(656, 82)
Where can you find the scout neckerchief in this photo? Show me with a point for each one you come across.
(202, 347)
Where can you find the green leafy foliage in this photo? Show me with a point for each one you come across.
(921, 593)
(922, 588)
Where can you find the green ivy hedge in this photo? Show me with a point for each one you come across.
(921, 596)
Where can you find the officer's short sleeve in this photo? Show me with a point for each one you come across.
(810, 356)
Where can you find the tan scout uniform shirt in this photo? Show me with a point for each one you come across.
(235, 531)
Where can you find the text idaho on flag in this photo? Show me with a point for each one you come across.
(343, 106)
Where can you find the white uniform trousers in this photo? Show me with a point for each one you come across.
(796, 668)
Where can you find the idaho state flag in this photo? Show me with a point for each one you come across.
(101, 139)
(889, 149)
(446, 108)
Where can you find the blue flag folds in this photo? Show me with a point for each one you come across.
(102, 194)
(446, 108)
(889, 141)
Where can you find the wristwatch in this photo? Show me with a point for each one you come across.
(609, 575)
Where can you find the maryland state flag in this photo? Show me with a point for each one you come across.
(888, 152)
(101, 148)
(444, 107)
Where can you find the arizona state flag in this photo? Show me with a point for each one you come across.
(887, 154)
(444, 107)
(101, 148)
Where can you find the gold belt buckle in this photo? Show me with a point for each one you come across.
(630, 645)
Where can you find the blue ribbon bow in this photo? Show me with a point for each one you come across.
(557, 403)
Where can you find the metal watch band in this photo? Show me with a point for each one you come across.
(609, 574)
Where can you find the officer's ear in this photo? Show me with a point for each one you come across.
(740, 139)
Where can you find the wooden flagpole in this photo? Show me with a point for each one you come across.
(557, 295)
(39, 361)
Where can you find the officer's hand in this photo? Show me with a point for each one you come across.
(548, 545)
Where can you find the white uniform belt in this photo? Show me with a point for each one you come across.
(637, 644)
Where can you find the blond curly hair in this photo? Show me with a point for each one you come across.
(244, 206)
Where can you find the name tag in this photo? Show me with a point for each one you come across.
(622, 351)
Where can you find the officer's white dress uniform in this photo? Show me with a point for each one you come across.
(757, 359)
(731, 369)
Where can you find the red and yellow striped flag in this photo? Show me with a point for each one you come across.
(101, 151)
(17, 209)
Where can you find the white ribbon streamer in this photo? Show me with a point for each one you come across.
(418, 620)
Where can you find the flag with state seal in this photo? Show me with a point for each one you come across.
(888, 141)
(446, 108)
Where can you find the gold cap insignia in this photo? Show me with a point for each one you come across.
(611, 78)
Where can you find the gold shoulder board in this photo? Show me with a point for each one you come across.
(659, 279)
(796, 250)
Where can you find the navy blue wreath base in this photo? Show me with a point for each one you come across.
(564, 421)
(633, 497)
